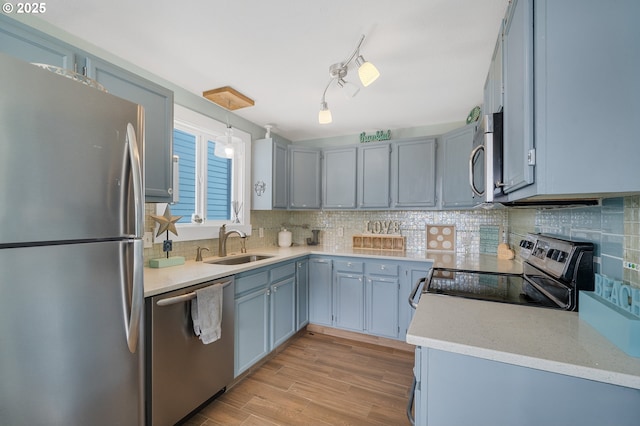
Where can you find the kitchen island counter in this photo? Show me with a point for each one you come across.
(544, 339)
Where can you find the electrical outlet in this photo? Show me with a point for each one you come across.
(340, 231)
(148, 239)
(261, 232)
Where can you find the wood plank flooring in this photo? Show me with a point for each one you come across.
(319, 380)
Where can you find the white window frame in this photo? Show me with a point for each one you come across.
(193, 122)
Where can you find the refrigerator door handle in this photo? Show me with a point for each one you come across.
(135, 284)
(136, 174)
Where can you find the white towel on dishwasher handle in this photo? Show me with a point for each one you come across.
(206, 313)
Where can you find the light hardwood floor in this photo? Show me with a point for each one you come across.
(319, 380)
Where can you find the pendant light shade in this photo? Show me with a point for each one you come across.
(367, 72)
(224, 145)
(324, 116)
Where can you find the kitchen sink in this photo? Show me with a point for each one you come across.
(238, 260)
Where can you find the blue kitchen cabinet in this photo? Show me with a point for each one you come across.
(282, 293)
(518, 96)
(382, 285)
(374, 176)
(251, 323)
(158, 123)
(413, 173)
(457, 145)
(302, 293)
(339, 178)
(558, 75)
(320, 291)
(496, 393)
(265, 303)
(304, 178)
(30, 45)
(348, 301)
(283, 313)
(270, 174)
(493, 87)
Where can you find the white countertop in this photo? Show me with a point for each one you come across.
(162, 280)
(544, 339)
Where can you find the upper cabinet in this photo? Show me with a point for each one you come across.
(31, 45)
(339, 178)
(456, 191)
(493, 88)
(270, 174)
(571, 93)
(304, 178)
(374, 175)
(518, 96)
(413, 174)
(158, 123)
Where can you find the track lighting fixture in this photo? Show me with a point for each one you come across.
(367, 72)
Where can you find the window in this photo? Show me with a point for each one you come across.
(208, 184)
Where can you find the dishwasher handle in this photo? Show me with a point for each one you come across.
(184, 297)
(416, 287)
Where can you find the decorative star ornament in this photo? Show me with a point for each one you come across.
(166, 222)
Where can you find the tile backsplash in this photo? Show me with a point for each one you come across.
(614, 227)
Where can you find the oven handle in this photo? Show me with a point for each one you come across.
(412, 394)
(184, 297)
(416, 287)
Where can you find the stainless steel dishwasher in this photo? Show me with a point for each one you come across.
(182, 372)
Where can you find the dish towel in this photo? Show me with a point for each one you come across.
(206, 313)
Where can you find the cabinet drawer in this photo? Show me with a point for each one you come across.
(381, 268)
(280, 272)
(251, 282)
(348, 266)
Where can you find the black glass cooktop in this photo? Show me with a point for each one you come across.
(513, 289)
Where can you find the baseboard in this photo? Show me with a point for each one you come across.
(360, 337)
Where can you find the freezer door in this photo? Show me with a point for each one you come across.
(67, 171)
(66, 319)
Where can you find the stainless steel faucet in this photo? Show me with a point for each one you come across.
(199, 253)
(222, 239)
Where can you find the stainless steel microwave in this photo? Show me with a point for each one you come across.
(485, 161)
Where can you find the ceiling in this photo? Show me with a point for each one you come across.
(433, 55)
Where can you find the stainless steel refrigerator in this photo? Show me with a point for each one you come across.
(71, 280)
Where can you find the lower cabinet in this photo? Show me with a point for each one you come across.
(302, 293)
(251, 329)
(363, 295)
(496, 393)
(265, 310)
(321, 291)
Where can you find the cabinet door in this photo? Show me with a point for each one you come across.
(493, 84)
(280, 176)
(251, 329)
(457, 146)
(320, 291)
(518, 96)
(302, 293)
(339, 178)
(283, 313)
(413, 174)
(374, 176)
(304, 179)
(349, 301)
(31, 45)
(382, 306)
(158, 118)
